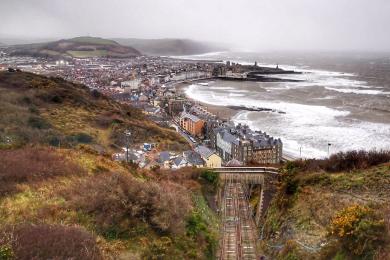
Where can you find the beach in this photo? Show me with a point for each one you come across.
(222, 112)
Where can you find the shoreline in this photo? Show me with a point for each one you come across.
(224, 113)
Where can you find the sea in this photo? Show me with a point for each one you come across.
(341, 103)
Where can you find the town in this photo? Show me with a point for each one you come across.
(151, 84)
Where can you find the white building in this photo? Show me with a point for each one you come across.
(132, 84)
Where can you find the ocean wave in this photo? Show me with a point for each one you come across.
(307, 126)
(358, 91)
(312, 138)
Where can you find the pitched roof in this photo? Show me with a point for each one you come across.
(193, 158)
(204, 152)
(179, 160)
(190, 116)
(164, 156)
(233, 163)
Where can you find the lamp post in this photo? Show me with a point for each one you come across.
(127, 135)
(329, 144)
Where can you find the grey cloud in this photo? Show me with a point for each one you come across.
(251, 24)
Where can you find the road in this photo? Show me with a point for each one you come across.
(185, 135)
(238, 239)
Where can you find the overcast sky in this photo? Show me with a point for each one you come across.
(250, 24)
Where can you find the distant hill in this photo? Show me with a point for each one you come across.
(174, 47)
(79, 47)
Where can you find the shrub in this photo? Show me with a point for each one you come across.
(119, 201)
(31, 164)
(38, 122)
(95, 93)
(49, 242)
(342, 161)
(359, 229)
(195, 225)
(6, 252)
(159, 249)
(82, 138)
(355, 160)
(210, 176)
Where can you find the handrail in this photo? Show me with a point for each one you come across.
(249, 167)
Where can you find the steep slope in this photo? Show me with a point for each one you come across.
(174, 47)
(330, 214)
(79, 47)
(37, 109)
(61, 195)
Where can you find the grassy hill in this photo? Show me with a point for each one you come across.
(170, 46)
(332, 209)
(79, 47)
(61, 195)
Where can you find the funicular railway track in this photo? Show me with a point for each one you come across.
(238, 229)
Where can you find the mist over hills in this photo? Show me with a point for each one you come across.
(171, 46)
(87, 46)
(79, 47)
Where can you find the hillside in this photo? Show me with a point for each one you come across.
(331, 212)
(79, 47)
(61, 195)
(174, 47)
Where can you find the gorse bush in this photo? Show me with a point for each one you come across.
(47, 242)
(359, 229)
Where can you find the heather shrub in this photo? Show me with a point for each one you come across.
(44, 241)
(119, 202)
(30, 165)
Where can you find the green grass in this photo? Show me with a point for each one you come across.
(204, 223)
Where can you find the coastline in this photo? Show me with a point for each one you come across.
(225, 113)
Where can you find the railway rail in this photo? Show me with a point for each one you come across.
(238, 229)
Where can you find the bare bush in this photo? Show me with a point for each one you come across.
(50, 242)
(32, 164)
(344, 161)
(120, 201)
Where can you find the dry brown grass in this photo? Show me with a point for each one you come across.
(31, 165)
(50, 242)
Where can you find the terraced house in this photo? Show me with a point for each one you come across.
(244, 145)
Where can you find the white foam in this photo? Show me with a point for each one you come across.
(358, 91)
(306, 126)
